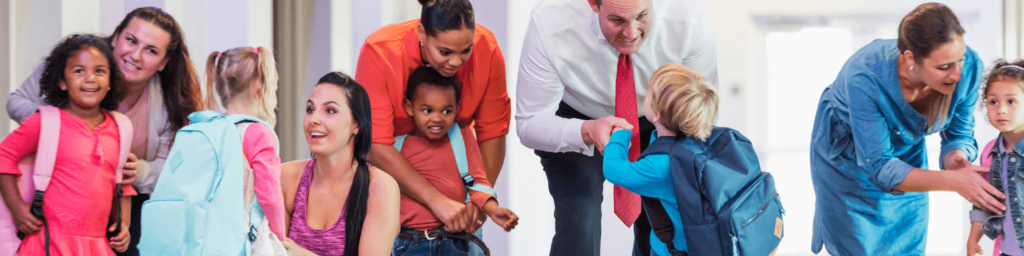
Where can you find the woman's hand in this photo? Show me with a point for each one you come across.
(131, 169)
(501, 216)
(23, 218)
(969, 183)
(454, 215)
(294, 249)
(120, 242)
(476, 216)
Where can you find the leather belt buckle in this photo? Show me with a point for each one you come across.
(426, 234)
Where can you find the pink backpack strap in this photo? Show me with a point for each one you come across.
(46, 154)
(124, 129)
(986, 160)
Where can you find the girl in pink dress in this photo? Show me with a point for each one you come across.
(80, 78)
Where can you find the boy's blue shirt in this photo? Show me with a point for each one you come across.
(650, 176)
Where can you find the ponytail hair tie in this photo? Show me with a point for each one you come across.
(256, 49)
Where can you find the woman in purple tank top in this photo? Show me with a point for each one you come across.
(336, 202)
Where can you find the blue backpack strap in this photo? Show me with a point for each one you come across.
(459, 146)
(237, 118)
(399, 140)
(204, 116)
(256, 215)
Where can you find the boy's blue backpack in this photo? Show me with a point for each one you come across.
(727, 204)
(197, 205)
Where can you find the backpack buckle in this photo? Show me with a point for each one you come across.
(467, 180)
(252, 233)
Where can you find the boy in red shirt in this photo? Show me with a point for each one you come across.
(432, 101)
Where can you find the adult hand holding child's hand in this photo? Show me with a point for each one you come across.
(597, 132)
(454, 215)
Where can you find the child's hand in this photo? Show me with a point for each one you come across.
(974, 249)
(120, 242)
(501, 216)
(131, 169)
(26, 222)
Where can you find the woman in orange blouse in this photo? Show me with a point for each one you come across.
(447, 39)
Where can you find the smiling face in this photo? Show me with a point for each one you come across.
(141, 50)
(447, 51)
(624, 23)
(86, 78)
(1004, 107)
(433, 110)
(941, 70)
(329, 125)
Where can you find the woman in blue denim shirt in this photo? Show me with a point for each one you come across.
(868, 148)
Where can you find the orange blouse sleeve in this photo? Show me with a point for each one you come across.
(494, 114)
(372, 74)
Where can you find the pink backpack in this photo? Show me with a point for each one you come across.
(986, 160)
(37, 169)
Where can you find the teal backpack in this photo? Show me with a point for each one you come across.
(459, 146)
(197, 205)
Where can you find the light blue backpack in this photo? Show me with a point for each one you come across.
(197, 205)
(459, 146)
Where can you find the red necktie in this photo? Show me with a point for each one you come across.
(627, 204)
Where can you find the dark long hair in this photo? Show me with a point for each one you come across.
(444, 15)
(359, 104)
(179, 80)
(926, 28)
(53, 71)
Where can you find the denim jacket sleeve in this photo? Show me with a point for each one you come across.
(979, 215)
(871, 135)
(960, 132)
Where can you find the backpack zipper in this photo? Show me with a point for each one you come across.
(761, 211)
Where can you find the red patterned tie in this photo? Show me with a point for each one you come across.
(627, 204)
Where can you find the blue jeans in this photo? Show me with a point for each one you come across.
(436, 246)
(576, 183)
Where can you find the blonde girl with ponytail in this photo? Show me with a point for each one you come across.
(243, 80)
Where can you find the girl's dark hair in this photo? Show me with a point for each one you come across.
(1003, 71)
(53, 71)
(444, 15)
(428, 76)
(178, 80)
(927, 27)
(355, 205)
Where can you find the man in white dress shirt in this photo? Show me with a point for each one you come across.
(577, 61)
